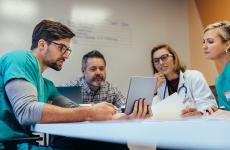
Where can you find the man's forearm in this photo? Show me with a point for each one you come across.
(23, 98)
(100, 111)
(53, 114)
(28, 110)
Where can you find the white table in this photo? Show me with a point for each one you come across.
(196, 133)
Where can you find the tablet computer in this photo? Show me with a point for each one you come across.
(139, 87)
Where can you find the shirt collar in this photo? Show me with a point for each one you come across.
(182, 79)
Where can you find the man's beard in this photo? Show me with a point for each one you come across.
(94, 81)
(54, 65)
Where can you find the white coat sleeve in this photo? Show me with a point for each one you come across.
(200, 90)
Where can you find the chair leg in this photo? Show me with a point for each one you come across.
(45, 139)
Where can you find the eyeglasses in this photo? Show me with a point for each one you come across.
(163, 58)
(64, 49)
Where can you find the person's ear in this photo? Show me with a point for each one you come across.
(228, 49)
(227, 45)
(42, 45)
(82, 70)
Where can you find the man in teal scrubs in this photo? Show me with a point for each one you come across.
(24, 92)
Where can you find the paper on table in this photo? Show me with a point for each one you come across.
(169, 108)
(85, 105)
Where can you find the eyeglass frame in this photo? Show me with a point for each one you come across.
(161, 58)
(61, 46)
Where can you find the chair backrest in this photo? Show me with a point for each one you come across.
(72, 92)
(213, 89)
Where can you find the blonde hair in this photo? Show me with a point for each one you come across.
(223, 27)
(178, 65)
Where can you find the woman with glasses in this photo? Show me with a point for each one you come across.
(216, 46)
(173, 77)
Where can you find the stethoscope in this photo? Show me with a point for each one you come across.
(178, 91)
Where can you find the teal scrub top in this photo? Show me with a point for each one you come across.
(21, 64)
(223, 88)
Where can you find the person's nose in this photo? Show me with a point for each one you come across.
(204, 46)
(161, 61)
(66, 55)
(98, 71)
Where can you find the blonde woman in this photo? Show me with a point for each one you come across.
(216, 46)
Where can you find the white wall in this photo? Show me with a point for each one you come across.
(123, 30)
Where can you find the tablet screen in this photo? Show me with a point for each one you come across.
(139, 87)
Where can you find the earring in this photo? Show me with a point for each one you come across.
(227, 50)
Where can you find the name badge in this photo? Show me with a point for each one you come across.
(227, 95)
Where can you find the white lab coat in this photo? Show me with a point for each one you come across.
(197, 90)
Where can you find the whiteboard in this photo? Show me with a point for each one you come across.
(123, 30)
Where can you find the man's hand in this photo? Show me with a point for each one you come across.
(190, 112)
(101, 111)
(141, 110)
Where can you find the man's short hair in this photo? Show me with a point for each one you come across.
(91, 54)
(50, 31)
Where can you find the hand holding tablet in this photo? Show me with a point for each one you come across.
(139, 87)
(141, 110)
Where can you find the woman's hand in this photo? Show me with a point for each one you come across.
(160, 80)
(211, 110)
(190, 112)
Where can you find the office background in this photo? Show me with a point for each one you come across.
(123, 30)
